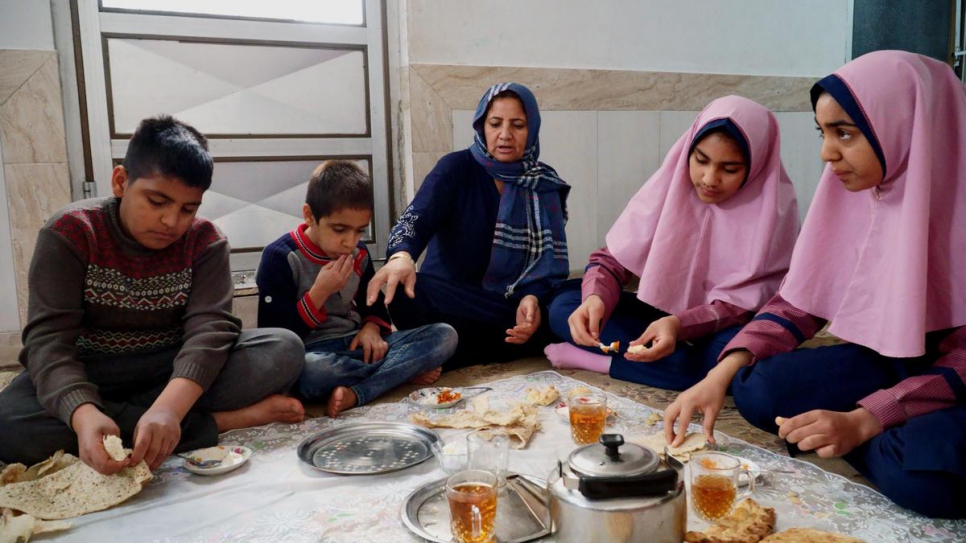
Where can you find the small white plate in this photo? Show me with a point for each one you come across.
(428, 397)
(237, 456)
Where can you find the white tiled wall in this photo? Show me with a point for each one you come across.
(607, 155)
(9, 315)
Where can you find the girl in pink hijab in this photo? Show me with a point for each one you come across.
(710, 236)
(882, 256)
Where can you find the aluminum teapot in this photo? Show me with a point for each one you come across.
(617, 492)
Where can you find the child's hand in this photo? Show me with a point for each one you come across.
(400, 268)
(829, 433)
(662, 334)
(585, 321)
(332, 278)
(155, 436)
(91, 426)
(528, 321)
(706, 397)
(373, 346)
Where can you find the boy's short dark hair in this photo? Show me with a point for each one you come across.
(165, 146)
(338, 184)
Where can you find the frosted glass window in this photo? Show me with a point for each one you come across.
(255, 202)
(313, 11)
(232, 89)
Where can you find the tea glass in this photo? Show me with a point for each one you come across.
(489, 450)
(588, 413)
(714, 484)
(472, 505)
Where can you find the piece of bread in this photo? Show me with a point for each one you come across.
(655, 442)
(636, 349)
(748, 522)
(542, 396)
(114, 448)
(809, 535)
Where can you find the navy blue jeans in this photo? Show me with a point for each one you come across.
(330, 363)
(920, 465)
(687, 365)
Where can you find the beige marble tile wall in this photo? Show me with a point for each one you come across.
(604, 131)
(34, 162)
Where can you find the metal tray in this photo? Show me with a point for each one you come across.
(366, 448)
(522, 512)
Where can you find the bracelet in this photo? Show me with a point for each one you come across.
(399, 255)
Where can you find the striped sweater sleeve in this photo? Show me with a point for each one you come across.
(707, 319)
(942, 386)
(779, 327)
(605, 277)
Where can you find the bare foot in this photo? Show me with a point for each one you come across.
(275, 408)
(427, 378)
(342, 398)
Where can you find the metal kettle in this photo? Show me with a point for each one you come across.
(617, 492)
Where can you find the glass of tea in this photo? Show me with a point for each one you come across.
(714, 484)
(588, 412)
(472, 505)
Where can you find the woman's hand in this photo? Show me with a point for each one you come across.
(662, 334)
(707, 397)
(528, 321)
(829, 433)
(400, 268)
(91, 425)
(585, 321)
(374, 348)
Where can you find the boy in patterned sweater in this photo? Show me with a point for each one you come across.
(129, 327)
(313, 281)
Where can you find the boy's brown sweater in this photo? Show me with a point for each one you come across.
(94, 291)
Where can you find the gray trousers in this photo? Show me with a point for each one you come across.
(261, 363)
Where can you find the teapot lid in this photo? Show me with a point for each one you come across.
(613, 458)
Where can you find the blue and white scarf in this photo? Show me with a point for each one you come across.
(529, 244)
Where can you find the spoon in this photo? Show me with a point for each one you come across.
(200, 464)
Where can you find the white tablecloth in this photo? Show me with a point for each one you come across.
(275, 497)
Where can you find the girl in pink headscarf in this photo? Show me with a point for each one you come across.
(882, 255)
(710, 236)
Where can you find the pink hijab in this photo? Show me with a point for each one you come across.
(887, 265)
(688, 253)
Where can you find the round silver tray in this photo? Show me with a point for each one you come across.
(522, 512)
(368, 447)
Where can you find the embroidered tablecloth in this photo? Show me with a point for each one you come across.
(276, 497)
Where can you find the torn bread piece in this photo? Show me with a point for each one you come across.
(748, 522)
(636, 349)
(114, 448)
(542, 396)
(810, 535)
(14, 528)
(655, 442)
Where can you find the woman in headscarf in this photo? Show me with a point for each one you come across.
(710, 236)
(491, 219)
(881, 255)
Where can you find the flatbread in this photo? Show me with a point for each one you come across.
(73, 489)
(21, 527)
(518, 420)
(636, 349)
(655, 442)
(114, 448)
(542, 396)
(748, 522)
(809, 535)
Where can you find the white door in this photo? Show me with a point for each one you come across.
(277, 87)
